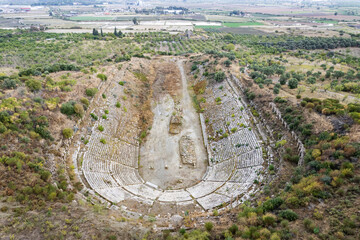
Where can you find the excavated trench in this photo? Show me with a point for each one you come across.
(173, 156)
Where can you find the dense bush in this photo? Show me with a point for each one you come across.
(209, 226)
(90, 92)
(49, 69)
(33, 85)
(67, 132)
(102, 76)
(9, 83)
(68, 108)
(272, 204)
(85, 101)
(79, 109)
(288, 215)
(219, 76)
(293, 83)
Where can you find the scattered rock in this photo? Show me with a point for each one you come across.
(176, 220)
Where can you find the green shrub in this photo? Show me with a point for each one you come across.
(101, 128)
(9, 83)
(293, 83)
(67, 133)
(284, 223)
(288, 215)
(45, 175)
(275, 236)
(2, 128)
(85, 101)
(193, 67)
(293, 202)
(309, 225)
(111, 237)
(272, 204)
(94, 116)
(347, 165)
(68, 108)
(52, 196)
(219, 76)
(215, 212)
(310, 105)
(90, 92)
(38, 100)
(33, 85)
(102, 76)
(209, 226)
(79, 109)
(118, 105)
(269, 219)
(141, 76)
(103, 141)
(233, 229)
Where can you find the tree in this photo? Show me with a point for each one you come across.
(227, 63)
(101, 32)
(135, 21)
(338, 74)
(115, 32)
(328, 74)
(293, 83)
(311, 80)
(276, 90)
(95, 32)
(267, 81)
(283, 79)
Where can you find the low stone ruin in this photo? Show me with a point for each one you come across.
(175, 124)
(187, 151)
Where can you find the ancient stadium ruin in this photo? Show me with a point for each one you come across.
(191, 159)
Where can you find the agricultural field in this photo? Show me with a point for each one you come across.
(196, 121)
(240, 24)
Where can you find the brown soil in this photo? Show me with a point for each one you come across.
(167, 79)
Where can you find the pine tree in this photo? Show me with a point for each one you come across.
(115, 32)
(101, 32)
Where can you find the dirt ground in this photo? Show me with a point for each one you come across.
(160, 158)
